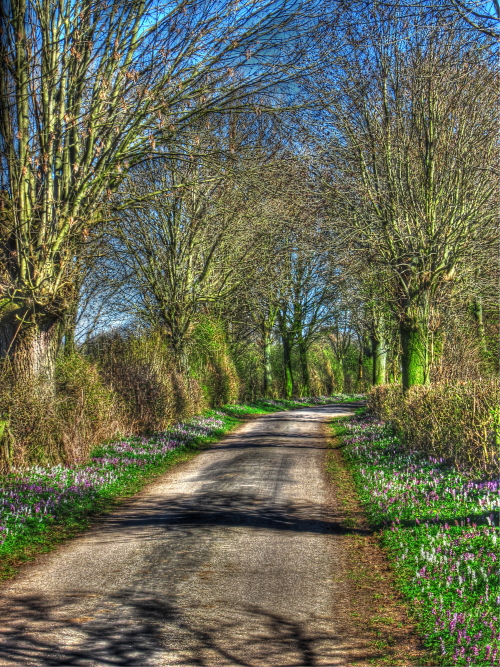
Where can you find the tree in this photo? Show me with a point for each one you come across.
(287, 291)
(88, 91)
(186, 247)
(308, 312)
(258, 302)
(374, 300)
(411, 148)
(480, 15)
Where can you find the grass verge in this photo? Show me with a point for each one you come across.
(377, 612)
(79, 514)
(440, 532)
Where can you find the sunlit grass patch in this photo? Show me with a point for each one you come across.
(269, 405)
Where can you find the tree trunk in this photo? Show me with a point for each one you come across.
(177, 348)
(361, 358)
(268, 376)
(31, 347)
(68, 330)
(340, 374)
(306, 390)
(287, 362)
(6, 443)
(379, 357)
(477, 310)
(414, 359)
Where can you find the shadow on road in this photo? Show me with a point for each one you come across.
(141, 634)
(210, 509)
(148, 621)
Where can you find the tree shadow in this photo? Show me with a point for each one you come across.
(137, 626)
(144, 629)
(196, 513)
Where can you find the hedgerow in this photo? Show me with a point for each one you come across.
(457, 421)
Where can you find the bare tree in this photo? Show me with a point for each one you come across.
(412, 148)
(187, 247)
(88, 90)
(307, 298)
(483, 16)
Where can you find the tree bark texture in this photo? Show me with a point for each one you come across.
(268, 376)
(287, 362)
(361, 358)
(31, 347)
(414, 353)
(379, 357)
(306, 382)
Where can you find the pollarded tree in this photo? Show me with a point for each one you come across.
(412, 144)
(88, 90)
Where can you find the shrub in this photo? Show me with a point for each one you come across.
(89, 412)
(455, 421)
(248, 363)
(383, 401)
(212, 364)
(139, 369)
(30, 424)
(44, 428)
(326, 376)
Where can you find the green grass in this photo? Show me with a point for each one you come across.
(374, 595)
(440, 531)
(267, 406)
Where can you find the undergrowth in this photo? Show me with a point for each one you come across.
(457, 421)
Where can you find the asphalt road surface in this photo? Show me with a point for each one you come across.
(230, 559)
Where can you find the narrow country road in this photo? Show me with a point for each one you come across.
(230, 559)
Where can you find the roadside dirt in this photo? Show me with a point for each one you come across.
(375, 610)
